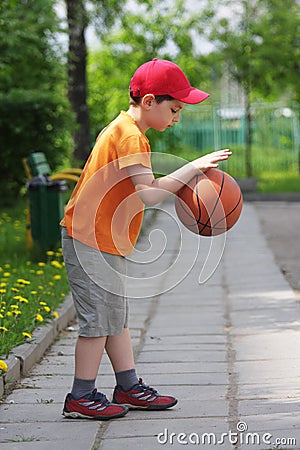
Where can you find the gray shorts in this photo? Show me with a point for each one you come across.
(98, 284)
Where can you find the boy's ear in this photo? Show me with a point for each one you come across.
(148, 100)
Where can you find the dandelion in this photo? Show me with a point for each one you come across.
(62, 294)
(33, 292)
(55, 314)
(3, 329)
(14, 306)
(23, 300)
(22, 281)
(6, 274)
(1, 316)
(39, 272)
(39, 318)
(41, 264)
(9, 313)
(50, 253)
(2, 291)
(3, 366)
(56, 264)
(3, 284)
(57, 277)
(43, 303)
(47, 309)
(27, 335)
(16, 312)
(13, 289)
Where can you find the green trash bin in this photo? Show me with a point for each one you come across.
(46, 209)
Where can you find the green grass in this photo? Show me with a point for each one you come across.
(32, 283)
(278, 182)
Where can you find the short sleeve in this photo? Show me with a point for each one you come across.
(134, 150)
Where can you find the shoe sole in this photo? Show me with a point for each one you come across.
(149, 407)
(76, 415)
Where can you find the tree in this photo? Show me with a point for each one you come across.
(259, 45)
(77, 89)
(81, 13)
(34, 112)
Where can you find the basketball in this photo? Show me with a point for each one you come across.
(210, 204)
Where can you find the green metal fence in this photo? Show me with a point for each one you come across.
(275, 136)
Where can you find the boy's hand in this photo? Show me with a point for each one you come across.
(210, 160)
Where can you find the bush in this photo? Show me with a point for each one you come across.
(31, 121)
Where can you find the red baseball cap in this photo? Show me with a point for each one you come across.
(163, 77)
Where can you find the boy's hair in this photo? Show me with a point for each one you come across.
(134, 101)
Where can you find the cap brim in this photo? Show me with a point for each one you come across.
(191, 96)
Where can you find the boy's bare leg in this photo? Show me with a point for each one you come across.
(88, 355)
(119, 350)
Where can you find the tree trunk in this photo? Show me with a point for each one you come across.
(77, 88)
(248, 156)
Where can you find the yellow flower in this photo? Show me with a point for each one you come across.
(41, 264)
(39, 318)
(56, 264)
(55, 314)
(6, 274)
(62, 294)
(3, 284)
(47, 309)
(9, 313)
(1, 316)
(33, 292)
(24, 300)
(16, 312)
(43, 303)
(39, 272)
(15, 289)
(14, 306)
(2, 291)
(57, 277)
(7, 266)
(3, 366)
(22, 281)
(50, 253)
(3, 329)
(27, 335)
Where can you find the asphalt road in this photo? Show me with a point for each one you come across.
(281, 225)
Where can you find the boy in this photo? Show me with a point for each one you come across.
(100, 227)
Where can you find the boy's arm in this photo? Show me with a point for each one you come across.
(153, 191)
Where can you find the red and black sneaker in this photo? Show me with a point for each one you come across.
(93, 406)
(141, 396)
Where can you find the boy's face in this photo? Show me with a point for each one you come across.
(163, 115)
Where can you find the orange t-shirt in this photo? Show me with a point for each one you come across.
(104, 211)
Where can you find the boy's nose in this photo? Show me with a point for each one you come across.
(176, 117)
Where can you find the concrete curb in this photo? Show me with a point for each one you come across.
(22, 358)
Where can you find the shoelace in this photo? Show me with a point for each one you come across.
(148, 388)
(98, 397)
